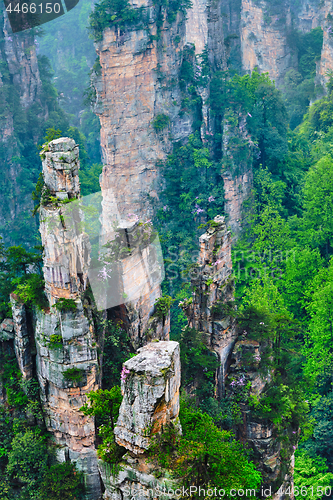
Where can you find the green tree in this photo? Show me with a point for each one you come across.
(204, 455)
(318, 205)
(311, 473)
(62, 482)
(319, 342)
(28, 459)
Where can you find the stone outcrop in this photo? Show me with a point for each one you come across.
(67, 366)
(213, 291)
(150, 387)
(325, 65)
(138, 82)
(7, 330)
(61, 168)
(138, 478)
(128, 277)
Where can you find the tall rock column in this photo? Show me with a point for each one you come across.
(237, 148)
(67, 365)
(207, 310)
(138, 82)
(22, 337)
(150, 386)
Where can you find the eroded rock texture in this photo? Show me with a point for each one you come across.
(150, 386)
(274, 458)
(213, 290)
(23, 337)
(238, 150)
(138, 478)
(138, 82)
(20, 85)
(67, 366)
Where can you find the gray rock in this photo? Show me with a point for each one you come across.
(150, 386)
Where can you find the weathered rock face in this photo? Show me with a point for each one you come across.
(67, 366)
(150, 386)
(264, 36)
(237, 190)
(61, 168)
(22, 338)
(238, 149)
(325, 65)
(131, 92)
(138, 478)
(213, 287)
(272, 456)
(128, 277)
(263, 43)
(7, 330)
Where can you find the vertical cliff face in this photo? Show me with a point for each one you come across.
(325, 65)
(263, 39)
(150, 388)
(264, 32)
(23, 338)
(66, 354)
(20, 86)
(139, 81)
(237, 173)
(213, 289)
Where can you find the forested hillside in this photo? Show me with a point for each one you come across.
(213, 123)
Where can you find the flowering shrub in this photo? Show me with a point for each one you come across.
(124, 373)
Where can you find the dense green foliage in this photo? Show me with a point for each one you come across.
(104, 405)
(312, 474)
(204, 455)
(20, 273)
(28, 469)
(121, 14)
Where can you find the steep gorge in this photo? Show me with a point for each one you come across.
(140, 103)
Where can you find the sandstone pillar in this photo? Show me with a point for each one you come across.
(213, 289)
(22, 338)
(150, 386)
(67, 364)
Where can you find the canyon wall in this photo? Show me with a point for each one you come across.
(139, 81)
(66, 359)
(212, 291)
(20, 87)
(265, 28)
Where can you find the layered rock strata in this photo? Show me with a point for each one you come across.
(150, 387)
(67, 366)
(131, 266)
(213, 290)
(139, 82)
(238, 150)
